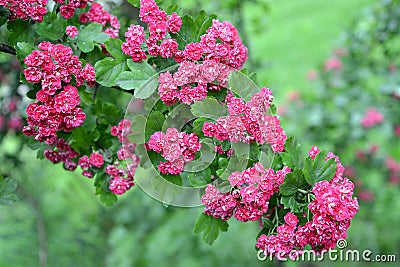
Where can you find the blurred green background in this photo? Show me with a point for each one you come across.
(58, 220)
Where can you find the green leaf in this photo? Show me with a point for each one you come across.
(242, 85)
(89, 35)
(82, 141)
(142, 78)
(210, 227)
(108, 198)
(188, 32)
(291, 155)
(113, 46)
(52, 27)
(4, 13)
(138, 129)
(172, 8)
(198, 179)
(135, 3)
(223, 186)
(107, 113)
(293, 181)
(155, 122)
(203, 22)
(242, 150)
(19, 32)
(108, 71)
(8, 185)
(8, 199)
(24, 49)
(198, 126)
(209, 108)
(234, 165)
(289, 202)
(318, 169)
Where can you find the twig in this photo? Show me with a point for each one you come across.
(41, 228)
(7, 49)
(95, 91)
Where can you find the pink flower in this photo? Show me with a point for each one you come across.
(312, 75)
(397, 130)
(96, 159)
(218, 205)
(291, 219)
(156, 142)
(193, 51)
(333, 63)
(168, 48)
(371, 118)
(208, 129)
(120, 185)
(174, 23)
(87, 173)
(33, 74)
(84, 162)
(71, 31)
(67, 11)
(313, 151)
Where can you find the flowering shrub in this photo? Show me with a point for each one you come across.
(196, 124)
(364, 87)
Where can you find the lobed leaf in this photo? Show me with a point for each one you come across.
(242, 85)
(318, 169)
(210, 227)
(209, 108)
(108, 70)
(291, 156)
(113, 46)
(293, 181)
(89, 35)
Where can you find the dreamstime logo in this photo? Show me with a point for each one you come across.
(340, 254)
(145, 115)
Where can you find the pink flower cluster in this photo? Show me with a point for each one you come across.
(67, 10)
(332, 209)
(26, 9)
(159, 24)
(132, 46)
(371, 118)
(191, 82)
(59, 111)
(96, 13)
(176, 147)
(248, 122)
(393, 167)
(85, 162)
(122, 179)
(249, 200)
(9, 115)
(220, 51)
(283, 243)
(62, 152)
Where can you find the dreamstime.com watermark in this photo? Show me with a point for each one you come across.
(340, 254)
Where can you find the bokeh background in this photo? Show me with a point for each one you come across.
(333, 68)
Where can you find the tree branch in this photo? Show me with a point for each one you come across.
(7, 49)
